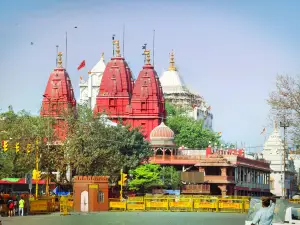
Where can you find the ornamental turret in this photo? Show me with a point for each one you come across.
(116, 87)
(147, 103)
(58, 98)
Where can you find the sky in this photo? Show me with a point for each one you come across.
(228, 51)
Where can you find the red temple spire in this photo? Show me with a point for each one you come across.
(115, 88)
(58, 98)
(147, 101)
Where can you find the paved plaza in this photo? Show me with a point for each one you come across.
(131, 218)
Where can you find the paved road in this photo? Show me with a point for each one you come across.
(131, 218)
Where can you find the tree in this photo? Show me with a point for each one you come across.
(26, 130)
(170, 177)
(188, 131)
(95, 148)
(285, 103)
(144, 177)
(147, 176)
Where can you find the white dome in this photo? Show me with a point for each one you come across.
(274, 140)
(171, 82)
(100, 66)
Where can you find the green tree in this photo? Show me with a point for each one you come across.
(188, 131)
(95, 148)
(170, 177)
(24, 129)
(144, 177)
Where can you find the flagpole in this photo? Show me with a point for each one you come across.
(56, 54)
(153, 46)
(124, 40)
(66, 50)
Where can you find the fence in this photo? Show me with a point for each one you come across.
(182, 203)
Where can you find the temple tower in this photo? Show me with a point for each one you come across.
(176, 92)
(147, 103)
(116, 88)
(89, 88)
(58, 99)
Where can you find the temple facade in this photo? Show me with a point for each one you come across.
(281, 182)
(58, 99)
(89, 88)
(176, 92)
(137, 103)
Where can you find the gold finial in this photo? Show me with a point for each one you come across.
(172, 62)
(147, 54)
(116, 42)
(59, 60)
(102, 56)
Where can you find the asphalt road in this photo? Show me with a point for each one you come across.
(131, 218)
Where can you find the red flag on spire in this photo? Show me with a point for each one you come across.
(82, 64)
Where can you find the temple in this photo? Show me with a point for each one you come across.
(176, 92)
(282, 182)
(89, 88)
(58, 99)
(140, 103)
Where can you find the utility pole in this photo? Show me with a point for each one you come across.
(285, 125)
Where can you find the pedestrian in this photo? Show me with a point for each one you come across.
(21, 207)
(11, 207)
(265, 215)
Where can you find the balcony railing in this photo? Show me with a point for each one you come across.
(196, 188)
(177, 157)
(252, 185)
(218, 179)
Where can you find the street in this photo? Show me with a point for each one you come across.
(131, 218)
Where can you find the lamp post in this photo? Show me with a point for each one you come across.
(285, 125)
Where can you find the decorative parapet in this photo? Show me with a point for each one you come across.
(91, 179)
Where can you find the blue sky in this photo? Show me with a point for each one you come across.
(228, 51)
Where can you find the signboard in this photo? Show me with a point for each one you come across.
(93, 186)
(192, 177)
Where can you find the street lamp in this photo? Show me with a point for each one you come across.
(285, 124)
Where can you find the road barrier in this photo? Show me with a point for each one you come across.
(183, 203)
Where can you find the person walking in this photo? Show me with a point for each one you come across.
(21, 207)
(265, 215)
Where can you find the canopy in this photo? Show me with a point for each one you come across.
(20, 181)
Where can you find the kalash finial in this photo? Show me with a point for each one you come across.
(147, 54)
(172, 62)
(117, 44)
(59, 60)
(102, 56)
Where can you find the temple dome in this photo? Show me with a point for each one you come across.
(100, 66)
(171, 81)
(162, 135)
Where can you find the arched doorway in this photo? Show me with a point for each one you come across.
(84, 201)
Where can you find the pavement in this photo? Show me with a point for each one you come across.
(131, 218)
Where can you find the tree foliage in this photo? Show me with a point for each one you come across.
(188, 131)
(91, 147)
(147, 176)
(285, 103)
(95, 148)
(25, 129)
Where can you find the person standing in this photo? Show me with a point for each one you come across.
(265, 215)
(10, 207)
(21, 207)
